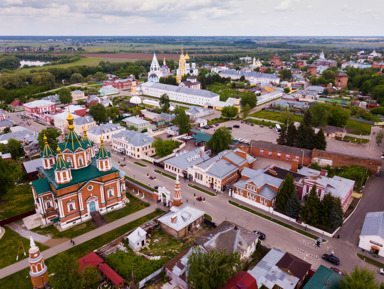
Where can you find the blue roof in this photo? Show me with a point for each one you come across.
(324, 278)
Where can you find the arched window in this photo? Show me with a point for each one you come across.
(69, 161)
(111, 192)
(71, 206)
(81, 163)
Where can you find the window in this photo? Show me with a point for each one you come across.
(288, 157)
(278, 155)
(90, 188)
(261, 152)
(110, 192)
(71, 206)
(81, 161)
(269, 153)
(48, 204)
(69, 161)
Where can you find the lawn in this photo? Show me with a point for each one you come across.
(82, 61)
(9, 246)
(21, 279)
(140, 164)
(140, 184)
(133, 206)
(355, 140)
(202, 190)
(277, 116)
(357, 127)
(225, 91)
(17, 201)
(165, 174)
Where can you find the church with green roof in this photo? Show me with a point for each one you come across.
(76, 181)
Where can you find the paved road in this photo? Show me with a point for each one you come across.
(16, 226)
(220, 210)
(15, 116)
(78, 240)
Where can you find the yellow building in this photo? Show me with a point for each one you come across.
(181, 71)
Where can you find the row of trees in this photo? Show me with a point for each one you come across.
(11, 173)
(163, 147)
(327, 212)
(324, 113)
(101, 114)
(304, 136)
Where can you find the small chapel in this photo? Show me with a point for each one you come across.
(76, 181)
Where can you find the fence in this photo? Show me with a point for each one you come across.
(149, 277)
(16, 218)
(362, 120)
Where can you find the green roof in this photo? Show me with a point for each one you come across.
(73, 141)
(324, 278)
(41, 186)
(200, 137)
(61, 163)
(78, 176)
(47, 152)
(103, 154)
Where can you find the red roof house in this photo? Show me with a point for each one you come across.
(91, 259)
(241, 280)
(111, 275)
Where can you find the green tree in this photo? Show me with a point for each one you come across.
(65, 96)
(359, 278)
(320, 113)
(248, 97)
(338, 116)
(293, 206)
(336, 214)
(282, 139)
(287, 188)
(52, 134)
(320, 142)
(310, 210)
(229, 111)
(164, 102)
(366, 87)
(9, 62)
(285, 74)
(76, 78)
(99, 76)
(212, 269)
(379, 137)
(291, 135)
(325, 208)
(181, 120)
(6, 181)
(90, 277)
(99, 113)
(307, 120)
(113, 112)
(14, 148)
(220, 140)
(287, 90)
(378, 92)
(246, 110)
(67, 272)
(163, 147)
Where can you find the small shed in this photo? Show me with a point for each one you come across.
(137, 238)
(201, 122)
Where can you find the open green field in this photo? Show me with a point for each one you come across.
(277, 116)
(17, 201)
(357, 127)
(82, 61)
(21, 279)
(9, 246)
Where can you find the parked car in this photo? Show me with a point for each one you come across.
(381, 271)
(169, 136)
(230, 128)
(270, 127)
(156, 187)
(252, 124)
(339, 271)
(242, 121)
(332, 259)
(236, 126)
(206, 127)
(262, 236)
(212, 126)
(261, 125)
(199, 198)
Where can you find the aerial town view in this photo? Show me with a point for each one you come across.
(176, 144)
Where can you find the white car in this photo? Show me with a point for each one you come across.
(381, 271)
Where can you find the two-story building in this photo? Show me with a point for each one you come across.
(138, 123)
(85, 122)
(134, 144)
(105, 130)
(41, 110)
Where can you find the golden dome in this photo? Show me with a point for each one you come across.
(45, 139)
(70, 121)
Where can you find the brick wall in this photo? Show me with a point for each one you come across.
(339, 160)
(269, 154)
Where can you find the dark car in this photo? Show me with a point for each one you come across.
(270, 127)
(156, 187)
(230, 128)
(199, 198)
(337, 271)
(332, 259)
(206, 127)
(236, 126)
(252, 124)
(262, 236)
(261, 125)
(169, 136)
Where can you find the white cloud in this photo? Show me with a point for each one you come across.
(284, 5)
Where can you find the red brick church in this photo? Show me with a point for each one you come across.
(76, 181)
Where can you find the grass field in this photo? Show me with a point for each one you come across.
(9, 245)
(21, 279)
(277, 116)
(357, 127)
(83, 61)
(17, 201)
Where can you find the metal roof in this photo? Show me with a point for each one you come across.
(184, 90)
(373, 224)
(134, 138)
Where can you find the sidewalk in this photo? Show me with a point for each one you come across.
(26, 233)
(78, 240)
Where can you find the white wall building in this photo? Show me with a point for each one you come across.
(177, 93)
(86, 122)
(134, 144)
(77, 94)
(137, 239)
(253, 77)
(106, 130)
(372, 233)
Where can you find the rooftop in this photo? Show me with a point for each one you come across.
(135, 120)
(38, 103)
(184, 90)
(324, 278)
(134, 138)
(187, 159)
(105, 128)
(373, 224)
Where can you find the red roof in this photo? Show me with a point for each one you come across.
(241, 280)
(111, 275)
(91, 259)
(16, 102)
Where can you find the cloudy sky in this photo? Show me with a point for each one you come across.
(192, 17)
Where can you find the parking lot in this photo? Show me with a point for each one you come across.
(248, 132)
